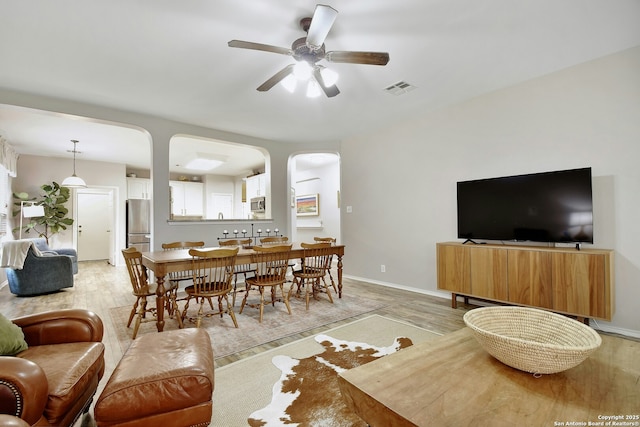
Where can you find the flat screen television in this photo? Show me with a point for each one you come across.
(540, 207)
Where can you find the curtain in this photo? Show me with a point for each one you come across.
(8, 167)
(8, 157)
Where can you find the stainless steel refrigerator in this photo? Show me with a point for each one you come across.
(139, 224)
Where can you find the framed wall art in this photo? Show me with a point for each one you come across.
(307, 205)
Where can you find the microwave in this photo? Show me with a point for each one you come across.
(258, 204)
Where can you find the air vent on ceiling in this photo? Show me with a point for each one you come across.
(399, 88)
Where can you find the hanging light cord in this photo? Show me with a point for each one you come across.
(75, 141)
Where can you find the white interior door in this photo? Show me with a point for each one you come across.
(94, 225)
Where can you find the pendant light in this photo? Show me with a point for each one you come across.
(74, 181)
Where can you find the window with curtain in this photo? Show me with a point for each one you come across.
(8, 167)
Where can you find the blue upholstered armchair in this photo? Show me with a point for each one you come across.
(49, 271)
(41, 244)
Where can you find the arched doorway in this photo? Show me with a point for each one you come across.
(315, 178)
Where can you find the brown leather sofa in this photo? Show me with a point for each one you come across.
(52, 382)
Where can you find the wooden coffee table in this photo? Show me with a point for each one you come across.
(452, 381)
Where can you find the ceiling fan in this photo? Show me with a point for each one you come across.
(307, 51)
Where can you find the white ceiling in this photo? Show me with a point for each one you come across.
(170, 59)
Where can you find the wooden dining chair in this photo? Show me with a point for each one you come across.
(181, 276)
(332, 241)
(277, 240)
(271, 264)
(274, 239)
(212, 272)
(178, 277)
(239, 268)
(315, 262)
(142, 290)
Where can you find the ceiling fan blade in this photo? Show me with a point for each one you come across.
(276, 78)
(259, 46)
(368, 58)
(321, 23)
(330, 91)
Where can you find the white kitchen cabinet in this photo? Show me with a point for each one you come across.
(138, 188)
(187, 198)
(256, 186)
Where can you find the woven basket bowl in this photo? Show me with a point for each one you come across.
(532, 340)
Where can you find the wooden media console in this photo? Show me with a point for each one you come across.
(564, 280)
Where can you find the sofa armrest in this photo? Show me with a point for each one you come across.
(11, 421)
(24, 389)
(66, 251)
(61, 326)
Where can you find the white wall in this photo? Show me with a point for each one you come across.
(401, 182)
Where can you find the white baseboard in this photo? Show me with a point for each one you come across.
(594, 323)
(438, 294)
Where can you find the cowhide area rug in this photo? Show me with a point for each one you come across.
(306, 393)
(296, 384)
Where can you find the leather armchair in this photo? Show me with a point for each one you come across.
(48, 272)
(53, 382)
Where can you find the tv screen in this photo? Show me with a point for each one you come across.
(542, 207)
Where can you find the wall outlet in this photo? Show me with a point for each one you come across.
(383, 268)
(349, 209)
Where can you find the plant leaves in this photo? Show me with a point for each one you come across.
(55, 213)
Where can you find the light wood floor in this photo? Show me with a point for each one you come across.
(100, 286)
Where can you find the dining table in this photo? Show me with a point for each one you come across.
(163, 262)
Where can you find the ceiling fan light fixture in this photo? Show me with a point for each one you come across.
(302, 70)
(289, 83)
(307, 51)
(313, 89)
(330, 77)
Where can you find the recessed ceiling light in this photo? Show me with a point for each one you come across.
(205, 162)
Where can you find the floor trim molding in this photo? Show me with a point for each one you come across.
(595, 323)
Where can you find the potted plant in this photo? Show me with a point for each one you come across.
(55, 213)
